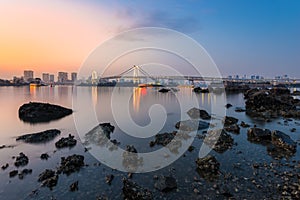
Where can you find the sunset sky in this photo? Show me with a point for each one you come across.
(243, 37)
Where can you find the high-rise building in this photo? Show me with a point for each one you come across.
(51, 78)
(62, 77)
(46, 77)
(74, 76)
(28, 75)
(94, 77)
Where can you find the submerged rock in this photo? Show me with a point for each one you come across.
(21, 160)
(133, 191)
(24, 172)
(44, 156)
(233, 128)
(71, 164)
(165, 183)
(196, 113)
(283, 141)
(228, 105)
(244, 125)
(4, 167)
(208, 167)
(218, 140)
(259, 135)
(48, 178)
(39, 137)
(163, 138)
(230, 121)
(66, 142)
(13, 173)
(35, 112)
(200, 90)
(191, 125)
(164, 90)
(74, 186)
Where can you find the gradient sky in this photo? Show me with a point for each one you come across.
(243, 37)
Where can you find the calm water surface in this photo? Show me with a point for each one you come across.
(92, 177)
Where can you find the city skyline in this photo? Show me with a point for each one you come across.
(242, 37)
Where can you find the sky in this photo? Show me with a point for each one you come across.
(242, 37)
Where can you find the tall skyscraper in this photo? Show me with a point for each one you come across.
(74, 76)
(46, 77)
(94, 77)
(28, 75)
(62, 77)
(51, 78)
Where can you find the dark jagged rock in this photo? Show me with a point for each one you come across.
(74, 186)
(233, 128)
(133, 191)
(230, 121)
(131, 148)
(131, 159)
(259, 135)
(218, 140)
(239, 109)
(40, 137)
(44, 156)
(71, 164)
(244, 125)
(100, 135)
(35, 112)
(228, 105)
(165, 183)
(13, 173)
(48, 178)
(196, 113)
(66, 142)
(200, 90)
(21, 160)
(109, 178)
(283, 141)
(164, 90)
(191, 125)
(163, 138)
(4, 167)
(208, 167)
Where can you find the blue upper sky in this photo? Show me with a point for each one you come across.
(243, 37)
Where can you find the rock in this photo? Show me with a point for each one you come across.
(233, 128)
(196, 113)
(191, 148)
(74, 186)
(296, 93)
(165, 183)
(4, 167)
(71, 164)
(100, 135)
(48, 178)
(44, 156)
(48, 173)
(131, 159)
(133, 191)
(66, 142)
(218, 140)
(244, 125)
(293, 130)
(35, 112)
(228, 105)
(24, 172)
(21, 160)
(109, 178)
(239, 109)
(191, 125)
(163, 138)
(200, 90)
(208, 167)
(13, 173)
(230, 121)
(259, 135)
(164, 90)
(283, 141)
(40, 137)
(6, 146)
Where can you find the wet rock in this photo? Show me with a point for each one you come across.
(71, 164)
(66, 142)
(131, 159)
(44, 156)
(6, 146)
(13, 173)
(233, 128)
(244, 125)
(24, 172)
(48, 173)
(165, 183)
(200, 90)
(191, 125)
(283, 141)
(48, 178)
(4, 167)
(240, 109)
(163, 138)
(132, 191)
(39, 137)
(230, 121)
(21, 160)
(191, 148)
(109, 178)
(293, 130)
(35, 112)
(74, 186)
(100, 135)
(164, 90)
(296, 93)
(228, 105)
(208, 167)
(259, 135)
(218, 140)
(196, 113)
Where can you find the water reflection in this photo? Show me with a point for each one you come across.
(94, 95)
